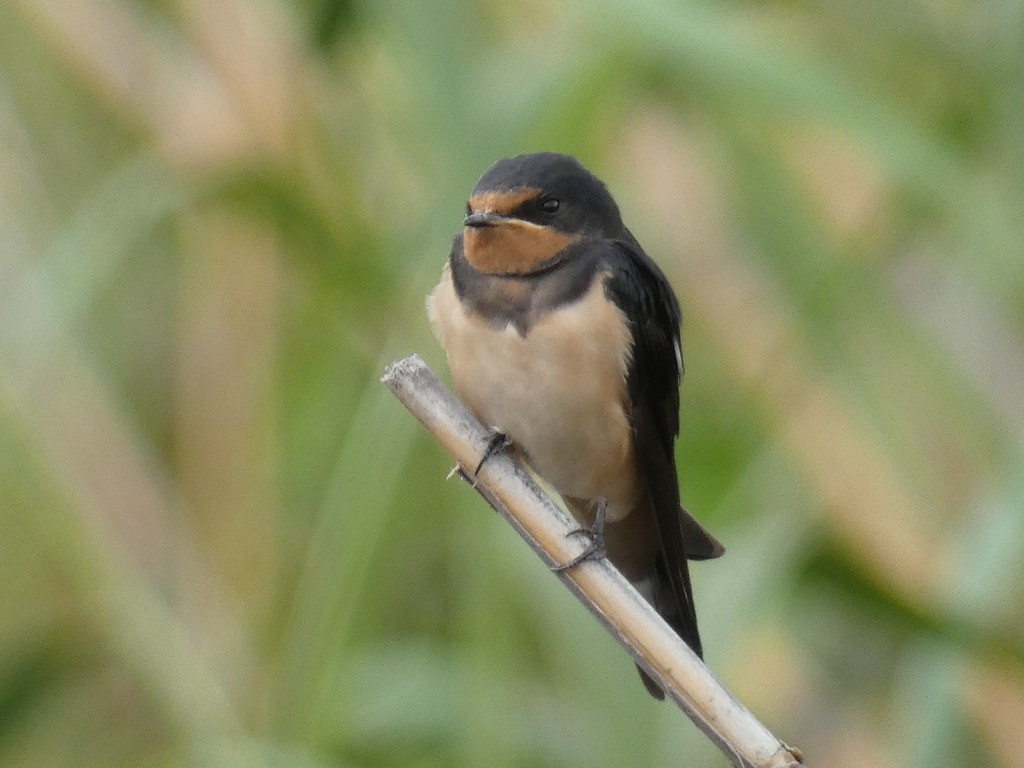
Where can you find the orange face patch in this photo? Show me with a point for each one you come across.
(512, 247)
(503, 203)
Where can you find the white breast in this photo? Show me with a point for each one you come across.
(558, 392)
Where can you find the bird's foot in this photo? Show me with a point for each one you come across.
(499, 442)
(595, 549)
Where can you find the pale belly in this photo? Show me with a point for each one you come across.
(558, 392)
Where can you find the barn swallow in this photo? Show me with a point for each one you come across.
(563, 336)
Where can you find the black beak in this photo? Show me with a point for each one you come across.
(482, 219)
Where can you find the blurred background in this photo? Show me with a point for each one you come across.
(224, 543)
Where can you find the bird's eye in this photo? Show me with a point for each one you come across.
(469, 209)
(550, 205)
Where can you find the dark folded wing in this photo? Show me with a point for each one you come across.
(642, 292)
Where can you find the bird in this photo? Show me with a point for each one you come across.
(563, 336)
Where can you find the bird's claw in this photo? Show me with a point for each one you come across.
(498, 442)
(595, 549)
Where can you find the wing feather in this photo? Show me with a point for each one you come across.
(641, 290)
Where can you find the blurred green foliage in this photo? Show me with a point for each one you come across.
(224, 543)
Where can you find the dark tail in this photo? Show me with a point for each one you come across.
(678, 610)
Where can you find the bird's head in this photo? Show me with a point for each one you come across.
(526, 211)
